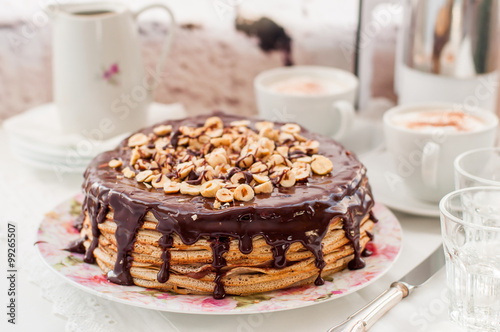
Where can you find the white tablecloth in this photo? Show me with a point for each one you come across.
(26, 194)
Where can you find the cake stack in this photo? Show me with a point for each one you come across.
(223, 204)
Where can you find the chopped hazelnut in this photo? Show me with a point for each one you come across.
(214, 122)
(321, 165)
(264, 124)
(224, 195)
(162, 130)
(240, 123)
(143, 176)
(243, 193)
(137, 139)
(203, 157)
(128, 173)
(288, 179)
(171, 187)
(290, 128)
(189, 189)
(264, 188)
(260, 178)
(210, 188)
(114, 163)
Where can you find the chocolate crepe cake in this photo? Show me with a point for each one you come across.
(222, 204)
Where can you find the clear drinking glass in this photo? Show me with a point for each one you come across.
(478, 167)
(470, 225)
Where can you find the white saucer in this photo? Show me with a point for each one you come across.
(36, 139)
(388, 189)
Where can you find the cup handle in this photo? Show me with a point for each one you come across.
(346, 111)
(430, 163)
(167, 45)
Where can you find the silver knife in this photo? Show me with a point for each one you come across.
(364, 318)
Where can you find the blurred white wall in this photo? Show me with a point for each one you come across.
(323, 33)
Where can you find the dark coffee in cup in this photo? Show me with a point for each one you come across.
(94, 13)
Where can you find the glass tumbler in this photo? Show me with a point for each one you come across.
(470, 226)
(478, 167)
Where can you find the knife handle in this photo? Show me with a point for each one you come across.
(364, 318)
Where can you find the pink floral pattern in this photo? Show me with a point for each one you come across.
(56, 231)
(110, 74)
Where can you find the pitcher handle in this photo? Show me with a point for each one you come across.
(347, 114)
(167, 45)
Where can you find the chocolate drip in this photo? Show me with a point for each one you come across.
(278, 179)
(174, 140)
(367, 253)
(245, 244)
(77, 246)
(316, 247)
(373, 218)
(219, 245)
(97, 208)
(166, 228)
(232, 172)
(166, 243)
(320, 264)
(288, 215)
(239, 162)
(296, 154)
(194, 178)
(279, 255)
(193, 153)
(248, 177)
(351, 229)
(128, 217)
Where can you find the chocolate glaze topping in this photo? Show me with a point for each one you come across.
(297, 214)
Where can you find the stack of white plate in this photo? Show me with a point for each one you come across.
(36, 138)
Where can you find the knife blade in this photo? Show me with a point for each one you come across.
(364, 318)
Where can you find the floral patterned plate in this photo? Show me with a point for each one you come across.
(56, 231)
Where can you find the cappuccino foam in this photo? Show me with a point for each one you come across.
(449, 121)
(306, 85)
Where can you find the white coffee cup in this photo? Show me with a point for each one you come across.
(329, 112)
(100, 83)
(424, 157)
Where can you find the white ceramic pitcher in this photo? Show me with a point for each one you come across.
(101, 87)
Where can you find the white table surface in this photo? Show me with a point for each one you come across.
(27, 193)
